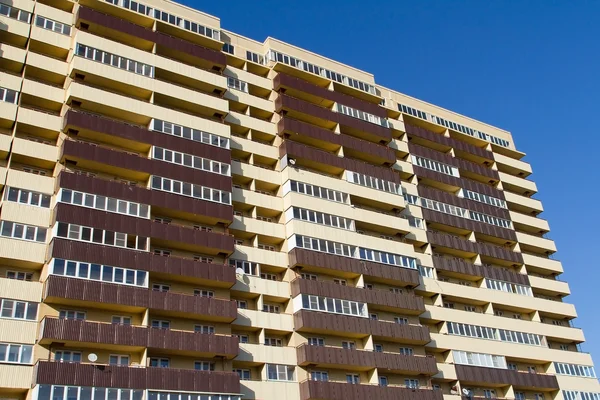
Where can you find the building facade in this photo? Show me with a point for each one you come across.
(189, 214)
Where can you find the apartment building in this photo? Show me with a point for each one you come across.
(189, 214)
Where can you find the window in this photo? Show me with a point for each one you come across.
(24, 232)
(273, 342)
(489, 393)
(558, 323)
(94, 235)
(162, 252)
(228, 48)
(204, 366)
(478, 359)
(14, 13)
(121, 320)
(401, 320)
(517, 316)
(532, 369)
(189, 133)
(498, 313)
(15, 353)
(383, 381)
(97, 272)
(353, 112)
(248, 267)
(114, 60)
(313, 341)
(27, 197)
(191, 190)
(341, 282)
(508, 287)
(11, 96)
(564, 347)
(387, 258)
(266, 247)
(103, 203)
(205, 329)
(244, 374)
(159, 287)
(280, 372)
(368, 286)
(512, 366)
(161, 324)
(72, 314)
(348, 345)
(324, 246)
(435, 166)
(159, 362)
(317, 191)
(250, 56)
(373, 183)
(269, 277)
(436, 387)
(207, 260)
(189, 160)
(310, 277)
(28, 169)
(396, 290)
(243, 338)
(236, 84)
(353, 379)
(411, 383)
(448, 305)
(271, 308)
(19, 276)
(407, 351)
(319, 376)
(374, 317)
(118, 359)
(67, 356)
(519, 396)
(336, 306)
(51, 25)
(204, 293)
(18, 309)
(482, 198)
(471, 308)
(378, 348)
(241, 304)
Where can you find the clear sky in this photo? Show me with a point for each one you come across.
(530, 67)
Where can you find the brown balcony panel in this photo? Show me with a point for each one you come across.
(458, 182)
(80, 120)
(220, 275)
(292, 128)
(373, 131)
(58, 287)
(173, 234)
(448, 198)
(288, 103)
(454, 161)
(337, 357)
(460, 266)
(468, 374)
(190, 49)
(113, 376)
(383, 272)
(89, 152)
(320, 322)
(155, 198)
(320, 390)
(284, 81)
(469, 224)
(316, 156)
(426, 134)
(485, 249)
(384, 299)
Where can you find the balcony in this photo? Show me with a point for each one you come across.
(355, 267)
(461, 266)
(15, 377)
(345, 325)
(169, 235)
(382, 299)
(174, 204)
(470, 375)
(175, 268)
(451, 198)
(116, 376)
(468, 224)
(317, 390)
(192, 343)
(364, 360)
(58, 288)
(452, 183)
(447, 142)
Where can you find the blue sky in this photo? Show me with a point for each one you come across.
(530, 67)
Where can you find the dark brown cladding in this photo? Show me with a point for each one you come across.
(389, 273)
(120, 159)
(520, 380)
(426, 134)
(311, 321)
(218, 274)
(464, 183)
(469, 224)
(154, 198)
(382, 298)
(129, 28)
(485, 249)
(113, 376)
(293, 127)
(287, 102)
(448, 198)
(461, 266)
(301, 151)
(340, 357)
(319, 390)
(282, 80)
(82, 120)
(454, 161)
(143, 227)
(69, 330)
